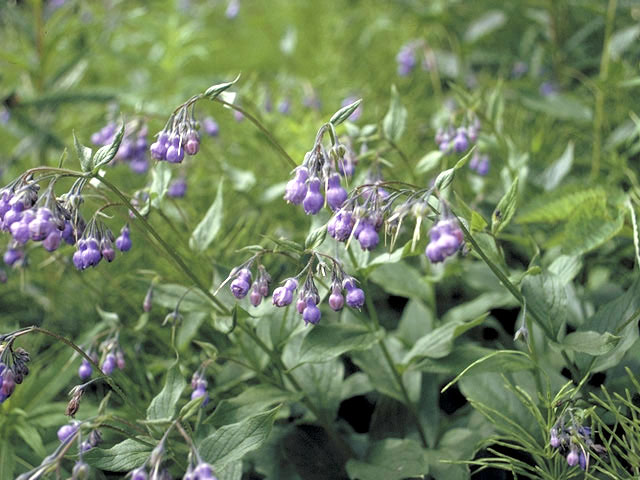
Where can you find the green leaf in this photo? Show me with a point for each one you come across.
(252, 399)
(163, 406)
(122, 457)
(622, 40)
(487, 23)
(84, 154)
(430, 161)
(592, 343)
(326, 342)
(566, 267)
(323, 383)
(7, 459)
(110, 318)
(560, 206)
(160, 178)
(107, 153)
(403, 280)
(555, 173)
(589, 226)
(214, 90)
(31, 436)
(636, 232)
(209, 226)
(344, 113)
(546, 296)
(439, 342)
(560, 106)
(231, 442)
(395, 121)
(391, 459)
(444, 179)
(191, 300)
(232, 471)
(315, 237)
(506, 208)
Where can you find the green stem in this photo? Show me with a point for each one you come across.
(222, 309)
(291, 162)
(116, 388)
(396, 374)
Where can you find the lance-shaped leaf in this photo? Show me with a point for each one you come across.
(505, 209)
(395, 120)
(163, 406)
(214, 90)
(84, 154)
(122, 457)
(107, 153)
(209, 226)
(344, 113)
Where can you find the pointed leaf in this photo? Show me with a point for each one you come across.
(326, 342)
(395, 120)
(591, 342)
(344, 113)
(107, 153)
(231, 442)
(214, 90)
(163, 406)
(391, 459)
(84, 155)
(505, 209)
(209, 226)
(122, 457)
(160, 178)
(555, 173)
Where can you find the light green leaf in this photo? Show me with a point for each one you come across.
(444, 179)
(326, 342)
(122, 457)
(230, 443)
(547, 297)
(555, 173)
(592, 343)
(160, 178)
(214, 90)
(344, 113)
(110, 318)
(487, 23)
(403, 280)
(7, 459)
(560, 106)
(315, 237)
(506, 208)
(430, 161)
(636, 233)
(169, 294)
(622, 40)
(232, 471)
(163, 406)
(209, 226)
(107, 153)
(395, 120)
(590, 226)
(391, 459)
(566, 268)
(84, 154)
(439, 342)
(550, 208)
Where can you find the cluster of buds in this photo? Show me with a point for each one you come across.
(133, 148)
(479, 163)
(199, 385)
(27, 217)
(67, 433)
(574, 442)
(320, 170)
(179, 136)
(152, 468)
(113, 356)
(446, 238)
(13, 369)
(458, 140)
(241, 284)
(97, 242)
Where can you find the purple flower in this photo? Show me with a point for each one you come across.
(85, 370)
(238, 116)
(311, 312)
(175, 151)
(343, 225)
(210, 126)
(406, 60)
(367, 236)
(301, 305)
(139, 474)
(313, 201)
(336, 300)
(233, 8)
(66, 431)
(355, 295)
(255, 297)
(336, 195)
(240, 286)
(483, 166)
(460, 142)
(296, 188)
(109, 364)
(282, 297)
(159, 147)
(120, 361)
(548, 89)
(193, 144)
(123, 242)
(177, 188)
(91, 255)
(284, 106)
(446, 239)
(572, 457)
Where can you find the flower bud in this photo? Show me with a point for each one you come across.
(255, 297)
(296, 188)
(311, 313)
(85, 370)
(336, 195)
(336, 300)
(572, 457)
(313, 201)
(282, 296)
(66, 431)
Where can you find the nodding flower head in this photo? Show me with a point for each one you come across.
(406, 60)
(311, 312)
(460, 142)
(572, 457)
(336, 300)
(66, 431)
(336, 195)
(12, 255)
(175, 151)
(159, 148)
(255, 297)
(109, 364)
(240, 286)
(313, 201)
(355, 295)
(446, 239)
(123, 242)
(367, 236)
(85, 370)
(192, 145)
(296, 188)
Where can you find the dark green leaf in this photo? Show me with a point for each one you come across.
(122, 457)
(231, 442)
(589, 226)
(209, 226)
(326, 342)
(547, 297)
(391, 459)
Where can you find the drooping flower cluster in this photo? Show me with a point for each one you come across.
(13, 369)
(180, 136)
(97, 242)
(458, 139)
(241, 284)
(479, 163)
(199, 385)
(574, 442)
(133, 148)
(113, 356)
(152, 468)
(85, 369)
(320, 170)
(446, 238)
